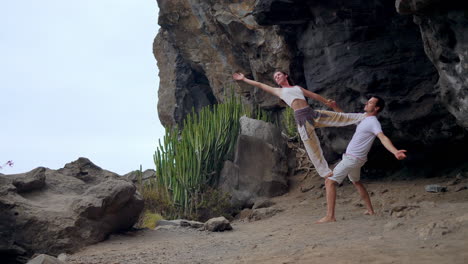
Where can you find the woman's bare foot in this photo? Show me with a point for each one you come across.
(368, 212)
(326, 219)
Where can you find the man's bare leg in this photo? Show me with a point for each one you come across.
(330, 186)
(365, 197)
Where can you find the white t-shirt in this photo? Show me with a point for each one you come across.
(363, 138)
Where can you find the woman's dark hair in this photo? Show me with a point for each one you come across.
(380, 102)
(285, 73)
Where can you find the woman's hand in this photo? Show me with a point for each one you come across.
(333, 105)
(238, 76)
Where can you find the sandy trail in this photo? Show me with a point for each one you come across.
(411, 226)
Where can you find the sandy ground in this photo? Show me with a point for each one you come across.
(410, 226)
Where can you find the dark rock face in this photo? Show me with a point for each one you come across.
(56, 211)
(340, 49)
(443, 26)
(350, 49)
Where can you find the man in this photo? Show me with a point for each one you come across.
(356, 156)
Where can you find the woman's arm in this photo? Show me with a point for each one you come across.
(328, 102)
(240, 77)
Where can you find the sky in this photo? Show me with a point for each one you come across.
(78, 79)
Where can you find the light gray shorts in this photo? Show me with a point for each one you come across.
(348, 166)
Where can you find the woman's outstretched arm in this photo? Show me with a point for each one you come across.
(328, 102)
(240, 77)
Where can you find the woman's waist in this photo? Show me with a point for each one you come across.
(305, 114)
(299, 104)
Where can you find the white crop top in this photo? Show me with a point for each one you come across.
(290, 94)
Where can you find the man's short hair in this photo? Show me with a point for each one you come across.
(380, 102)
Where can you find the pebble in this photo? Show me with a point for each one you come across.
(435, 188)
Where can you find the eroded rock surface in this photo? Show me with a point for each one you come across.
(260, 165)
(55, 211)
(443, 27)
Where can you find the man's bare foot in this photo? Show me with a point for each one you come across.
(326, 219)
(369, 212)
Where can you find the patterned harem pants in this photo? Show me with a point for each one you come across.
(308, 119)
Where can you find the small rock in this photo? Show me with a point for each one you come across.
(217, 224)
(403, 210)
(166, 227)
(358, 204)
(384, 191)
(435, 188)
(461, 188)
(262, 203)
(460, 176)
(453, 182)
(45, 259)
(62, 257)
(244, 213)
(262, 213)
(307, 188)
(192, 224)
(169, 222)
(399, 208)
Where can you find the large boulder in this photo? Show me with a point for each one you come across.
(260, 167)
(55, 211)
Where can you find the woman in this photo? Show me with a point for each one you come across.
(307, 118)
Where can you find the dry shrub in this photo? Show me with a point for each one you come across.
(149, 220)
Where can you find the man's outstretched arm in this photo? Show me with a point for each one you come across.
(399, 153)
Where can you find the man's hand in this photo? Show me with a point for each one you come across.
(333, 105)
(238, 76)
(400, 154)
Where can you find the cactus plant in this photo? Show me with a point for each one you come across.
(189, 160)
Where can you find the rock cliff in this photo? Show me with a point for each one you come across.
(340, 49)
(443, 26)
